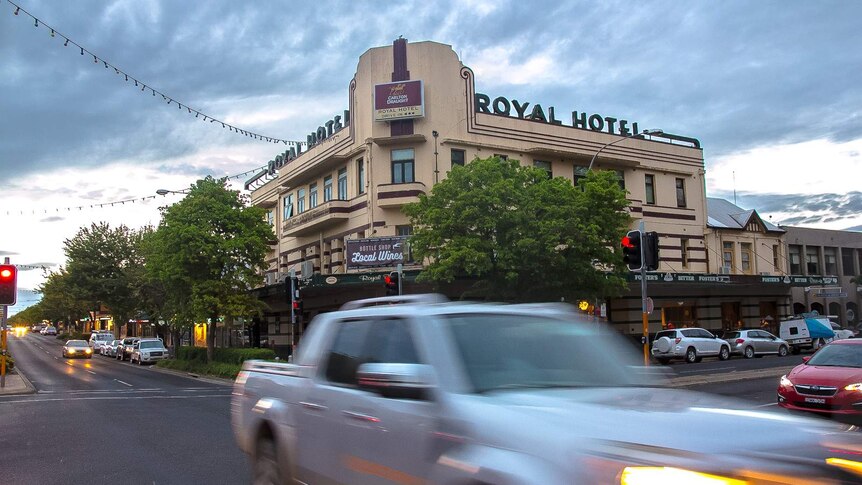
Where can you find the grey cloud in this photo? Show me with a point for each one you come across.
(8, 253)
(854, 228)
(52, 219)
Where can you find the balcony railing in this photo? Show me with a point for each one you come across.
(313, 220)
(396, 195)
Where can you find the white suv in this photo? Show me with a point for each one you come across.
(689, 344)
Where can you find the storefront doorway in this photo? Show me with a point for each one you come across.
(679, 316)
(730, 319)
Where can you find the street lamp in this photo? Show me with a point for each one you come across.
(633, 135)
(166, 191)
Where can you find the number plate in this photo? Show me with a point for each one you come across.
(816, 400)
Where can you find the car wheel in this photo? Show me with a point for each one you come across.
(691, 355)
(749, 352)
(724, 353)
(266, 469)
(782, 351)
(663, 361)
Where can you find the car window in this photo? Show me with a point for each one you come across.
(344, 358)
(671, 334)
(151, 345)
(794, 331)
(390, 342)
(730, 335)
(689, 333)
(705, 333)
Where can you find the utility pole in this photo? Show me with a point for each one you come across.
(645, 312)
(400, 269)
(3, 332)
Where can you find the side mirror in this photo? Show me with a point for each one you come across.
(806, 359)
(400, 381)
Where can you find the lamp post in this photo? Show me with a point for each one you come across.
(633, 135)
(641, 228)
(166, 191)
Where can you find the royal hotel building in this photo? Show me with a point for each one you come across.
(413, 113)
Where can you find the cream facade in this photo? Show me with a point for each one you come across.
(353, 181)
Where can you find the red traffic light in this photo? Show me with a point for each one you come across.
(387, 279)
(8, 284)
(6, 273)
(626, 242)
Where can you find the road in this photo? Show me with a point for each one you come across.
(103, 421)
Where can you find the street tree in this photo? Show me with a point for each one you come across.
(102, 266)
(28, 316)
(213, 246)
(62, 300)
(520, 234)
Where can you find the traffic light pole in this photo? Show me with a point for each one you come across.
(400, 270)
(3, 332)
(645, 314)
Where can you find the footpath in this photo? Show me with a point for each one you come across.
(16, 383)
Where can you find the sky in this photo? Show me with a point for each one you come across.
(770, 88)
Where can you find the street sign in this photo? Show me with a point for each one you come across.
(650, 306)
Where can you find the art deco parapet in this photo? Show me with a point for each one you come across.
(313, 220)
(396, 195)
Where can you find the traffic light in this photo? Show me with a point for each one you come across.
(8, 284)
(650, 244)
(631, 244)
(391, 281)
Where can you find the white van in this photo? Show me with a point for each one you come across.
(98, 339)
(806, 333)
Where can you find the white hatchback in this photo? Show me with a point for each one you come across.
(689, 344)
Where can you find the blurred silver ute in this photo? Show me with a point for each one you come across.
(418, 390)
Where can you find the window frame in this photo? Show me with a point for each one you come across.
(728, 247)
(403, 166)
(545, 165)
(360, 176)
(342, 183)
(683, 252)
(327, 188)
(287, 203)
(680, 192)
(461, 153)
(312, 195)
(745, 249)
(649, 188)
(300, 200)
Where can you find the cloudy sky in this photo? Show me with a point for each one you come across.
(770, 88)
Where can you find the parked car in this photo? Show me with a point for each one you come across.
(98, 339)
(828, 382)
(689, 344)
(148, 350)
(841, 332)
(50, 330)
(806, 333)
(110, 349)
(124, 351)
(451, 393)
(755, 343)
(77, 348)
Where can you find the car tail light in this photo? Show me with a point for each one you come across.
(677, 340)
(740, 340)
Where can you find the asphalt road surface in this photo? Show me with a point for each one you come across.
(100, 420)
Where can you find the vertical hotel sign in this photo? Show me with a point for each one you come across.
(399, 100)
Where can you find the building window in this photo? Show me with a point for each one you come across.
(830, 261)
(327, 188)
(546, 166)
(580, 174)
(501, 156)
(300, 201)
(847, 262)
(812, 260)
(727, 256)
(649, 186)
(270, 217)
(746, 257)
(402, 166)
(288, 206)
(680, 193)
(360, 176)
(794, 254)
(312, 196)
(776, 261)
(342, 184)
(683, 252)
(457, 157)
(406, 230)
(621, 178)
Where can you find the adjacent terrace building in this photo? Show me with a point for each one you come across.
(413, 113)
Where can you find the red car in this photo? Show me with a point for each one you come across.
(828, 382)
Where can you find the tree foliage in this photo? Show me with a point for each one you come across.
(521, 235)
(206, 254)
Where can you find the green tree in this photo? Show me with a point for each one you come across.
(62, 300)
(521, 235)
(28, 316)
(208, 251)
(102, 267)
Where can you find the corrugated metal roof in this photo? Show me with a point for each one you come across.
(723, 214)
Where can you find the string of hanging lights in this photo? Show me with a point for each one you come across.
(57, 210)
(144, 87)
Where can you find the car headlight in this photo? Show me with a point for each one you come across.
(785, 382)
(71, 351)
(853, 387)
(88, 350)
(637, 475)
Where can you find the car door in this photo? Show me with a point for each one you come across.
(388, 439)
(770, 342)
(321, 425)
(708, 342)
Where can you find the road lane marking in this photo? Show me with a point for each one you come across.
(112, 398)
(68, 363)
(91, 372)
(767, 405)
(702, 370)
(121, 382)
